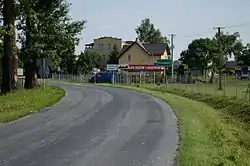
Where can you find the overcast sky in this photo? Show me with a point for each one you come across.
(188, 19)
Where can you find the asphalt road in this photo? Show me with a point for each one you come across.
(93, 126)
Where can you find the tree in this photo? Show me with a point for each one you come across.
(216, 51)
(9, 60)
(47, 31)
(198, 54)
(226, 45)
(243, 58)
(87, 61)
(147, 32)
(113, 57)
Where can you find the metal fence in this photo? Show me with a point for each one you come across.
(71, 78)
(231, 86)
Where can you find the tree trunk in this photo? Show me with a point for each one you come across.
(30, 63)
(30, 75)
(14, 78)
(9, 76)
(6, 75)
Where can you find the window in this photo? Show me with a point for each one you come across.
(109, 45)
(100, 46)
(129, 58)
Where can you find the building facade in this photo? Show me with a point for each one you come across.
(104, 46)
(143, 53)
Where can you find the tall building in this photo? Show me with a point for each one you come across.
(104, 46)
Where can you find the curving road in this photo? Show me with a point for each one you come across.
(93, 126)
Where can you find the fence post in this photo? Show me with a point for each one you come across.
(236, 89)
(224, 84)
(205, 81)
(140, 77)
(154, 78)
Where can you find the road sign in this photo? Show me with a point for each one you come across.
(123, 66)
(47, 70)
(20, 72)
(163, 62)
(112, 67)
(143, 68)
(48, 62)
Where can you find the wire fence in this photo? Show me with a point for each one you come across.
(231, 85)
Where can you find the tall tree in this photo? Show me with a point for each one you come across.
(198, 54)
(113, 57)
(226, 45)
(47, 32)
(147, 32)
(215, 51)
(9, 60)
(243, 58)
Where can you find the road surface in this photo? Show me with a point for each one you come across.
(93, 126)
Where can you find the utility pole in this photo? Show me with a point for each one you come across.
(172, 56)
(221, 57)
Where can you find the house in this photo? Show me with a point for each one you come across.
(104, 45)
(143, 53)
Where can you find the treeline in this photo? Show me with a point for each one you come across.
(44, 29)
(213, 53)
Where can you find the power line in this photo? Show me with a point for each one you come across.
(238, 25)
(195, 35)
(222, 27)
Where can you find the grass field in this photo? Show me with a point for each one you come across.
(208, 136)
(231, 88)
(24, 102)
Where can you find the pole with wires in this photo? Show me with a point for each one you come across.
(221, 56)
(172, 56)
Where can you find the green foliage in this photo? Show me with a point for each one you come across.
(87, 61)
(214, 52)
(48, 31)
(243, 57)
(147, 32)
(113, 57)
(197, 54)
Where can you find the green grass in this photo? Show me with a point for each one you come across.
(16, 105)
(233, 88)
(210, 133)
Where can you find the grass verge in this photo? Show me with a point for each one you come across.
(213, 131)
(16, 105)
